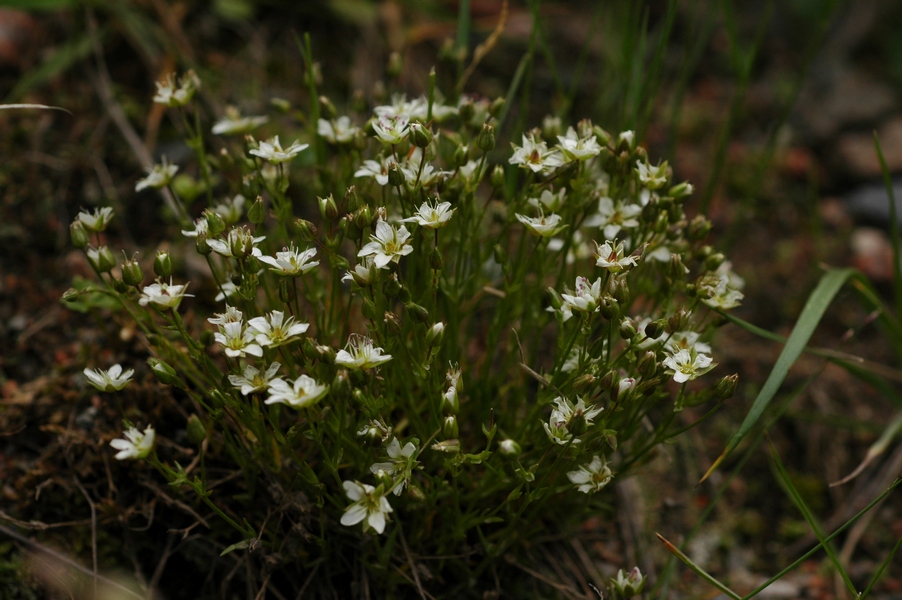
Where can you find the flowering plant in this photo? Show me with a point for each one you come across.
(488, 398)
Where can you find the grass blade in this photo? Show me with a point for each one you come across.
(786, 484)
(811, 315)
(881, 569)
(893, 227)
(698, 570)
(876, 449)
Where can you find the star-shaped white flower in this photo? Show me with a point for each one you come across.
(112, 380)
(305, 391)
(361, 354)
(275, 330)
(136, 444)
(291, 262)
(611, 256)
(253, 380)
(402, 461)
(370, 506)
(593, 477)
(574, 147)
(391, 130)
(377, 169)
(239, 242)
(688, 364)
(652, 177)
(433, 216)
(273, 152)
(234, 124)
(158, 177)
(231, 315)
(172, 95)
(163, 295)
(387, 245)
(614, 216)
(339, 131)
(237, 340)
(564, 414)
(585, 298)
(97, 221)
(535, 156)
(542, 226)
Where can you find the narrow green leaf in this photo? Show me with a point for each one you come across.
(811, 315)
(786, 484)
(893, 226)
(881, 569)
(698, 570)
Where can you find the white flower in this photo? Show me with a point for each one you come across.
(542, 226)
(237, 340)
(593, 477)
(253, 380)
(535, 156)
(391, 130)
(274, 153)
(413, 174)
(627, 136)
(566, 414)
(685, 340)
(401, 462)
(227, 290)
(361, 354)
(370, 506)
(688, 364)
(275, 330)
(379, 170)
(574, 147)
(163, 294)
(230, 209)
(290, 262)
(585, 298)
(231, 315)
(112, 380)
(417, 108)
(549, 200)
(234, 124)
(614, 216)
(339, 131)
(158, 176)
(363, 274)
(388, 245)
(137, 445)
(610, 256)
(304, 392)
(652, 177)
(239, 242)
(432, 216)
(375, 430)
(97, 221)
(200, 228)
(723, 288)
(170, 95)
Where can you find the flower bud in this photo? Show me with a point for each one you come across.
(551, 127)
(395, 175)
(327, 109)
(681, 191)
(256, 214)
(699, 228)
(417, 312)
(678, 321)
(726, 387)
(450, 404)
(201, 245)
(461, 155)
(498, 177)
(623, 389)
(435, 260)
(101, 259)
(363, 217)
(162, 264)
(485, 140)
(577, 425)
(71, 295)
(714, 260)
(654, 329)
(393, 323)
(404, 294)
(306, 229)
(449, 427)
(207, 338)
(131, 273)
(369, 309)
(164, 373)
(630, 585)
(620, 290)
(351, 201)
(604, 138)
(420, 135)
(648, 364)
(583, 384)
(197, 433)
(119, 285)
(215, 222)
(435, 334)
(627, 329)
(391, 287)
(509, 449)
(327, 207)
(287, 291)
(609, 308)
(325, 354)
(466, 110)
(341, 385)
(80, 235)
(556, 301)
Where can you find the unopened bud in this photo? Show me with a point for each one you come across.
(363, 217)
(417, 312)
(509, 449)
(351, 201)
(207, 338)
(726, 387)
(119, 285)
(395, 175)
(420, 135)
(496, 106)
(287, 291)
(215, 223)
(131, 273)
(306, 229)
(699, 228)
(714, 260)
(680, 191)
(327, 207)
(556, 301)
(450, 401)
(394, 66)
(197, 433)
(435, 334)
(162, 264)
(369, 309)
(461, 155)
(256, 214)
(648, 364)
(101, 259)
(325, 354)
(678, 321)
(485, 141)
(466, 110)
(583, 384)
(393, 323)
(80, 235)
(627, 329)
(449, 427)
(609, 307)
(391, 287)
(164, 373)
(341, 385)
(498, 177)
(327, 109)
(435, 260)
(447, 446)
(654, 329)
(201, 245)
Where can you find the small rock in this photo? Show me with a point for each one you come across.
(869, 203)
(872, 253)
